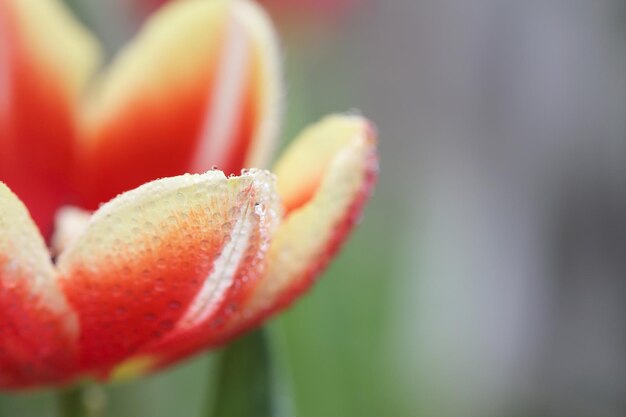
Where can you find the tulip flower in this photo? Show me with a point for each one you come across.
(299, 8)
(181, 257)
(311, 7)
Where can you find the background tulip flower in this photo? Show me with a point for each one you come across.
(174, 265)
(298, 9)
(307, 9)
(199, 86)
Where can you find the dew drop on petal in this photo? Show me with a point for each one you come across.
(259, 209)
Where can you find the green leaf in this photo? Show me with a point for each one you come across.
(250, 381)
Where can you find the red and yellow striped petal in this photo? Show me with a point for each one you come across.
(334, 164)
(46, 59)
(38, 330)
(199, 326)
(163, 257)
(200, 86)
(324, 178)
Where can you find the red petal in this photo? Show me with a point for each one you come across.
(37, 329)
(45, 60)
(151, 260)
(198, 87)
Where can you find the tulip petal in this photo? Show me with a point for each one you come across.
(46, 58)
(211, 311)
(335, 162)
(38, 330)
(325, 178)
(199, 87)
(162, 254)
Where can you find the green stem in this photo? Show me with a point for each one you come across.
(70, 402)
(81, 401)
(248, 379)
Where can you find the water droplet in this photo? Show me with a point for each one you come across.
(259, 209)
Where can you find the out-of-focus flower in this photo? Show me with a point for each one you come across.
(178, 264)
(299, 10)
(311, 7)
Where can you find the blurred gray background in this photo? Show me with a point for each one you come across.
(504, 151)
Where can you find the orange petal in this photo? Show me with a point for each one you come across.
(38, 330)
(198, 87)
(325, 178)
(46, 59)
(160, 257)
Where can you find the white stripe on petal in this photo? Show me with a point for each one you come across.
(222, 276)
(225, 106)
